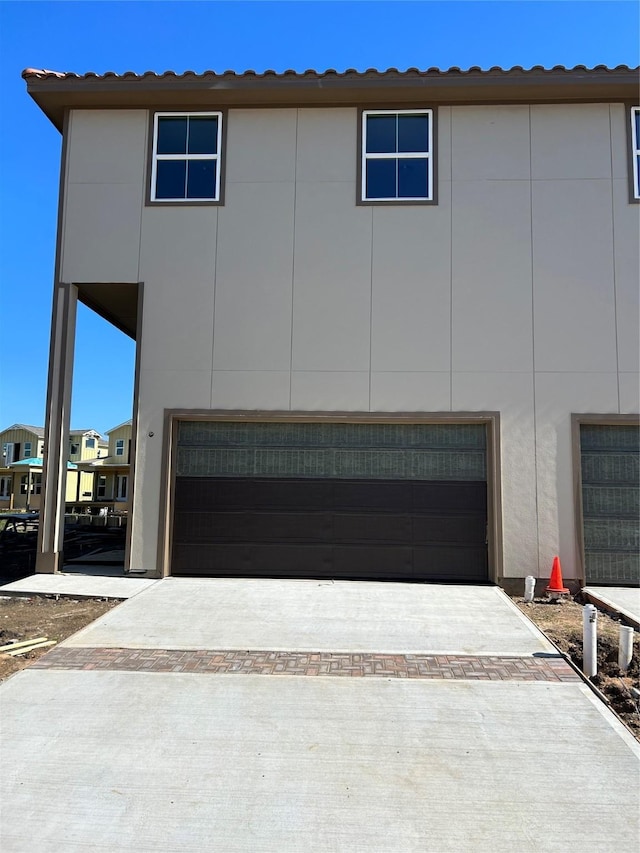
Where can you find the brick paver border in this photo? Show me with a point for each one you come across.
(353, 665)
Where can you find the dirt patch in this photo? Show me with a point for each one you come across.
(562, 623)
(56, 619)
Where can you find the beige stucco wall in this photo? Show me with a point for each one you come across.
(517, 292)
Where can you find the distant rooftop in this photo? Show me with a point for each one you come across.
(36, 430)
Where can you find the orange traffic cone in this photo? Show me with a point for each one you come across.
(556, 584)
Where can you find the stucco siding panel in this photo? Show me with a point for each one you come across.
(179, 287)
(102, 232)
(254, 278)
(626, 223)
(158, 389)
(490, 143)
(570, 141)
(573, 276)
(250, 389)
(629, 393)
(558, 395)
(511, 394)
(410, 392)
(620, 124)
(332, 281)
(410, 317)
(491, 276)
(107, 146)
(327, 145)
(330, 391)
(261, 145)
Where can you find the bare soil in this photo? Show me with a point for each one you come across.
(56, 619)
(562, 622)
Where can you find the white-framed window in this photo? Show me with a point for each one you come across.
(5, 487)
(90, 443)
(186, 157)
(635, 150)
(36, 484)
(120, 447)
(122, 482)
(26, 452)
(102, 487)
(397, 155)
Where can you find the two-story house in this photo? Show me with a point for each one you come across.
(21, 477)
(386, 322)
(110, 472)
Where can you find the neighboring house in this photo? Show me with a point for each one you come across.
(21, 475)
(110, 473)
(21, 487)
(386, 322)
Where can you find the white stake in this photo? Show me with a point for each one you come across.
(529, 587)
(589, 640)
(625, 651)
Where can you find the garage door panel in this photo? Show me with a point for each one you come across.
(382, 495)
(331, 500)
(443, 497)
(610, 468)
(372, 527)
(369, 561)
(453, 563)
(463, 529)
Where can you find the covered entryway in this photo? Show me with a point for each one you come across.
(610, 468)
(396, 501)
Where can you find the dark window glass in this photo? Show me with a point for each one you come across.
(637, 114)
(201, 180)
(413, 133)
(412, 178)
(638, 173)
(203, 135)
(172, 135)
(381, 134)
(381, 178)
(170, 179)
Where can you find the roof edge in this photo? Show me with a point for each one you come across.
(56, 91)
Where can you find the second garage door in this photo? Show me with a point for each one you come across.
(331, 500)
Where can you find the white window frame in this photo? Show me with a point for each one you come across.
(155, 157)
(120, 447)
(398, 155)
(122, 487)
(26, 454)
(635, 153)
(90, 443)
(6, 486)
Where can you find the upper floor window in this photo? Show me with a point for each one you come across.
(397, 156)
(635, 150)
(26, 453)
(90, 444)
(186, 157)
(120, 447)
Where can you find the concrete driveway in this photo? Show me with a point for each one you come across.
(252, 715)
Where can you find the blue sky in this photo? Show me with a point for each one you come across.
(139, 36)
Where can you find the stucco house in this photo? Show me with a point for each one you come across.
(386, 322)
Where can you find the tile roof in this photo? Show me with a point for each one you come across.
(44, 74)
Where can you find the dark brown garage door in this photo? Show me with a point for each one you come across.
(379, 501)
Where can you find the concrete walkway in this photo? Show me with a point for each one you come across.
(624, 600)
(461, 732)
(77, 585)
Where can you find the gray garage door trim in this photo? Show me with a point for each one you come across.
(607, 489)
(173, 419)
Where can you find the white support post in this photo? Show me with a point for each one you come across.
(589, 640)
(625, 651)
